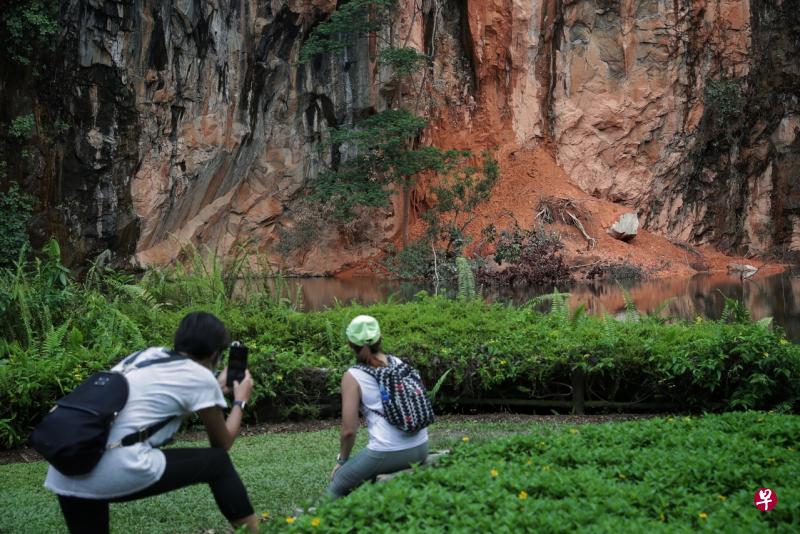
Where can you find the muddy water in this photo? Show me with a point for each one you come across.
(776, 296)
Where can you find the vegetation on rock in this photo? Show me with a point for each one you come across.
(15, 211)
(29, 27)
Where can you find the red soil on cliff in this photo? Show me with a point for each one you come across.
(529, 173)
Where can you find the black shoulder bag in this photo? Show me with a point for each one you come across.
(73, 436)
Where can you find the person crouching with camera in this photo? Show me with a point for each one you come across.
(165, 386)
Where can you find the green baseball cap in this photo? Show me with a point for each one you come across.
(363, 330)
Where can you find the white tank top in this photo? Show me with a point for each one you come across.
(382, 435)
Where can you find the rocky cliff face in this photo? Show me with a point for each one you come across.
(735, 184)
(193, 122)
(683, 110)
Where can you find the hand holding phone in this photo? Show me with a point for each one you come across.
(237, 363)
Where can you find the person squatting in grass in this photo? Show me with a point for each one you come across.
(389, 449)
(157, 392)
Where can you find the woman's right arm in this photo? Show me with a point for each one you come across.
(351, 398)
(221, 432)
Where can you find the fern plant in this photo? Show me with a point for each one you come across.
(52, 345)
(631, 313)
(734, 311)
(558, 304)
(466, 280)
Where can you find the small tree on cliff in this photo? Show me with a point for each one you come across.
(384, 157)
(457, 197)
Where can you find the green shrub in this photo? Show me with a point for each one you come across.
(22, 127)
(413, 262)
(30, 27)
(665, 474)
(16, 208)
(403, 61)
(725, 101)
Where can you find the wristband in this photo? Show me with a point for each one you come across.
(240, 403)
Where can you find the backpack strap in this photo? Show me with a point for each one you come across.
(144, 433)
(172, 356)
(374, 374)
(141, 435)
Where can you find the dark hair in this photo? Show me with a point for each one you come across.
(366, 353)
(200, 335)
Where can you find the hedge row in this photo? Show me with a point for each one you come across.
(489, 351)
(500, 352)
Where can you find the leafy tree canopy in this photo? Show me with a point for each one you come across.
(16, 207)
(379, 153)
(28, 26)
(404, 61)
(351, 20)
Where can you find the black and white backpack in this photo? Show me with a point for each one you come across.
(405, 401)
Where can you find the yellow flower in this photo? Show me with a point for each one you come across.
(766, 354)
(522, 495)
(545, 468)
(465, 439)
(264, 515)
(573, 430)
(541, 443)
(315, 522)
(722, 498)
(290, 520)
(502, 362)
(784, 342)
(494, 473)
(771, 460)
(702, 515)
(670, 419)
(622, 476)
(529, 462)
(760, 420)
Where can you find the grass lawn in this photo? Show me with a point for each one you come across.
(280, 471)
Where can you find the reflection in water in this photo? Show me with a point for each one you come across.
(776, 296)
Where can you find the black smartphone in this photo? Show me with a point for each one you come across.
(237, 363)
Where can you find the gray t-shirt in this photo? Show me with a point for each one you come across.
(157, 392)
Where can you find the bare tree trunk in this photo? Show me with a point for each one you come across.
(435, 270)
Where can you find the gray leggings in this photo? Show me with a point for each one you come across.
(368, 464)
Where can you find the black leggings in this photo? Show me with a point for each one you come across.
(184, 468)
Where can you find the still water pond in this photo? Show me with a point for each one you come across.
(776, 296)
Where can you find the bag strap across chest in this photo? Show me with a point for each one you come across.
(146, 432)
